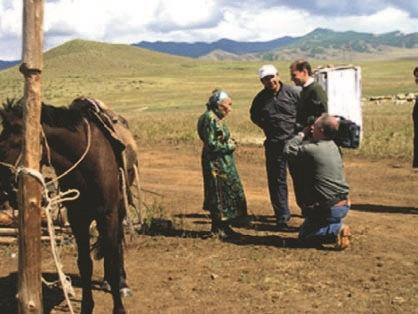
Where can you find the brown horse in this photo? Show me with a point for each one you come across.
(67, 131)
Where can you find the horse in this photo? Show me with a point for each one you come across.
(69, 133)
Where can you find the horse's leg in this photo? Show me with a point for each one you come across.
(125, 291)
(85, 265)
(111, 235)
(123, 285)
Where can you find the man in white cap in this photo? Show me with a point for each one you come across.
(274, 111)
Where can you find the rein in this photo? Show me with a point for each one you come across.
(16, 169)
(81, 157)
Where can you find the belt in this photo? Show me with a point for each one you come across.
(343, 203)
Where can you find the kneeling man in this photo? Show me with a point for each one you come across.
(320, 186)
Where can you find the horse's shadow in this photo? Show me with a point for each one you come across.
(165, 227)
(53, 297)
(8, 290)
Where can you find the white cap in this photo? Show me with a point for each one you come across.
(266, 70)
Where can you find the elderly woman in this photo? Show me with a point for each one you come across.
(223, 193)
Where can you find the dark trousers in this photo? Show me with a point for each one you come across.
(323, 225)
(276, 166)
(415, 148)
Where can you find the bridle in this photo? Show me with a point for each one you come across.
(16, 170)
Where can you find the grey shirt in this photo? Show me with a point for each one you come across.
(319, 171)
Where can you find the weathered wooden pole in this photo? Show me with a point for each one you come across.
(29, 197)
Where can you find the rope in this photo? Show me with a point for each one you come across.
(80, 159)
(69, 195)
(12, 167)
(18, 159)
(125, 203)
(138, 198)
(38, 175)
(33, 173)
(152, 192)
(47, 149)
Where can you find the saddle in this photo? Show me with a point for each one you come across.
(105, 118)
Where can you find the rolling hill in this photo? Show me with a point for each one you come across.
(82, 57)
(112, 72)
(88, 57)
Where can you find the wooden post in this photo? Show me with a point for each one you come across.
(29, 196)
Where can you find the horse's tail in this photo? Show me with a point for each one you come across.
(98, 248)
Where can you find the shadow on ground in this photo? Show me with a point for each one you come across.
(164, 227)
(255, 222)
(8, 290)
(373, 208)
(52, 296)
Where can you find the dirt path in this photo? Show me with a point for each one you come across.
(180, 271)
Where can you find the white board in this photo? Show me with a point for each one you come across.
(343, 88)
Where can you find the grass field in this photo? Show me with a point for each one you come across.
(162, 95)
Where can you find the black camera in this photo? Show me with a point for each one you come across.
(348, 134)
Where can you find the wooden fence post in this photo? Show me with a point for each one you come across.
(29, 196)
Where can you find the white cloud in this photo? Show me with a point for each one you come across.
(128, 21)
(387, 20)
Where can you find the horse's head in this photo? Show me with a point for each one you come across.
(10, 151)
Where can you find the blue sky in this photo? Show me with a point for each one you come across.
(129, 21)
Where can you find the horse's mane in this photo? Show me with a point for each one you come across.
(64, 117)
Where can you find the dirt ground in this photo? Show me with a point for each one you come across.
(180, 270)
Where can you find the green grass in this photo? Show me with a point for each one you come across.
(162, 96)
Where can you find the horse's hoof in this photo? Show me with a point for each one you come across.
(125, 292)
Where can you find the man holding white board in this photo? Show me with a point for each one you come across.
(313, 99)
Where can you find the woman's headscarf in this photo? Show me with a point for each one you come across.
(217, 97)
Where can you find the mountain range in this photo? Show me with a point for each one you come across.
(199, 49)
(7, 64)
(319, 44)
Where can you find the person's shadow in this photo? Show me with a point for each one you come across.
(164, 227)
(373, 208)
(256, 222)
